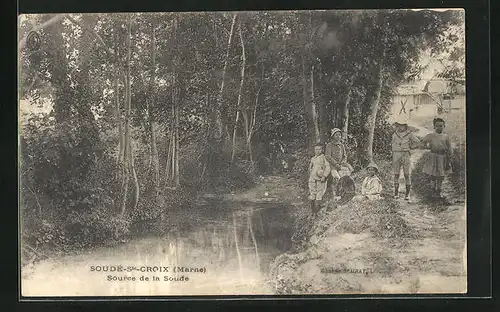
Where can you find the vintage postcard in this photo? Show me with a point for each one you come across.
(242, 153)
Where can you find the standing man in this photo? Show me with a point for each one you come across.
(403, 141)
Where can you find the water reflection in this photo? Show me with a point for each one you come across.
(250, 235)
(235, 243)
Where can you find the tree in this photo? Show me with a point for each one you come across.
(238, 104)
(132, 93)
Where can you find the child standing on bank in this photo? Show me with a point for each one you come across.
(441, 152)
(319, 170)
(403, 141)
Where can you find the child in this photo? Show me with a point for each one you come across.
(403, 140)
(319, 170)
(372, 186)
(441, 153)
(336, 155)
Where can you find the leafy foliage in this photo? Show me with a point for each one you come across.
(70, 184)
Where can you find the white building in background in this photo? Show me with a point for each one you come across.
(430, 94)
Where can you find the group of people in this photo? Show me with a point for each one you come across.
(329, 165)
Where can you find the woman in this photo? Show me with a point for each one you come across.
(336, 155)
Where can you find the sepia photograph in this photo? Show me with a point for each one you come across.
(305, 152)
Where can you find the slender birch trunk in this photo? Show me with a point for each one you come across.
(307, 106)
(345, 117)
(177, 173)
(169, 161)
(243, 64)
(220, 128)
(118, 115)
(128, 155)
(313, 109)
(126, 151)
(251, 121)
(152, 122)
(374, 105)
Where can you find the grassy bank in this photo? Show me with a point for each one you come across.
(374, 247)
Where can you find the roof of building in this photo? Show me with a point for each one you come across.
(433, 86)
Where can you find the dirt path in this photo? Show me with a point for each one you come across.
(440, 251)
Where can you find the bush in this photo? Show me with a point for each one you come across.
(96, 227)
(300, 170)
(206, 166)
(458, 177)
(68, 189)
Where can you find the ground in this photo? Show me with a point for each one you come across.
(385, 247)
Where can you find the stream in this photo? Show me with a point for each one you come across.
(219, 247)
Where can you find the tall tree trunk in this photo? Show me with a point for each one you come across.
(246, 123)
(84, 99)
(346, 109)
(121, 143)
(121, 138)
(58, 67)
(129, 158)
(168, 166)
(152, 104)
(371, 118)
(307, 106)
(126, 180)
(156, 161)
(58, 77)
(131, 145)
(313, 109)
(220, 127)
(134, 175)
(237, 121)
(171, 170)
(177, 139)
(253, 117)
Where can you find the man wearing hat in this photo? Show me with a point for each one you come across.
(336, 155)
(403, 141)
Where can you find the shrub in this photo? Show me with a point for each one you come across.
(458, 177)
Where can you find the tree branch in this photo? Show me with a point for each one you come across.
(98, 37)
(51, 21)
